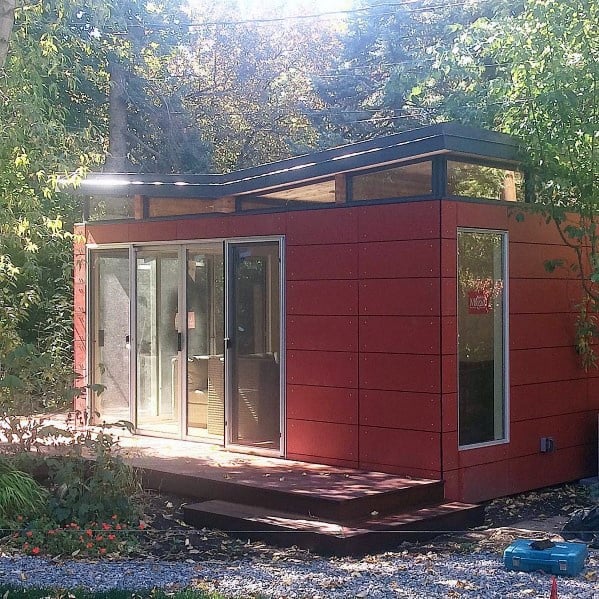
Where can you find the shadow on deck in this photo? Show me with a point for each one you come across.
(286, 502)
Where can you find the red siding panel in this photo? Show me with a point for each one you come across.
(324, 404)
(450, 411)
(334, 225)
(401, 297)
(544, 469)
(593, 393)
(449, 258)
(400, 410)
(567, 430)
(203, 228)
(449, 373)
(449, 296)
(394, 222)
(79, 297)
(482, 215)
(322, 439)
(486, 481)
(327, 333)
(449, 335)
(111, 233)
(311, 262)
(321, 368)
(153, 231)
(541, 330)
(399, 259)
(451, 453)
(79, 326)
(400, 372)
(534, 296)
(79, 357)
(79, 269)
(449, 219)
(533, 229)
(400, 334)
(481, 455)
(540, 400)
(398, 448)
(249, 225)
(541, 365)
(527, 261)
(322, 297)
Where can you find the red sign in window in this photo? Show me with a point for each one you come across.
(480, 302)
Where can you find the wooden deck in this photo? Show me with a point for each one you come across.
(325, 508)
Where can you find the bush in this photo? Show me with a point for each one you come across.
(20, 494)
(92, 487)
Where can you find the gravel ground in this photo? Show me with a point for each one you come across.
(431, 575)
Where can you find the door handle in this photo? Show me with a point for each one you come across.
(179, 342)
(228, 343)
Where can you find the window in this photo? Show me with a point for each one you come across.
(110, 208)
(402, 181)
(321, 192)
(481, 337)
(477, 181)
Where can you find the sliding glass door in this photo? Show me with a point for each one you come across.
(108, 336)
(158, 340)
(165, 306)
(254, 344)
(205, 389)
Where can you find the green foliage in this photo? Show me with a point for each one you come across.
(19, 494)
(250, 86)
(92, 489)
(44, 536)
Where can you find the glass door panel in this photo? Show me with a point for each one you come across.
(109, 335)
(205, 332)
(158, 340)
(254, 334)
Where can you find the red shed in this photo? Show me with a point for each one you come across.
(378, 305)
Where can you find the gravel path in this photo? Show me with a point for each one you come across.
(471, 576)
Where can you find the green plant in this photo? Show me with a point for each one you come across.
(93, 482)
(19, 494)
(90, 539)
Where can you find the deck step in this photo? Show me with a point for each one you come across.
(369, 534)
(338, 496)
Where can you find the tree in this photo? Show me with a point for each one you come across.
(387, 78)
(55, 124)
(535, 75)
(252, 93)
(7, 17)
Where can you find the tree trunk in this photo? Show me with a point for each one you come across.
(116, 160)
(7, 18)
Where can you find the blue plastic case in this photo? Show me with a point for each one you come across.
(561, 558)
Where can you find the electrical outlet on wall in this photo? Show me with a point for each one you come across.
(547, 444)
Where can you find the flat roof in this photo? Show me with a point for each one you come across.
(443, 138)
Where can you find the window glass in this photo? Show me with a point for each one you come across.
(110, 208)
(477, 181)
(399, 182)
(322, 192)
(158, 207)
(481, 316)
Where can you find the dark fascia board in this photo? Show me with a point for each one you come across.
(444, 138)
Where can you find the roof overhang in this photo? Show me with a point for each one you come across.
(444, 138)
